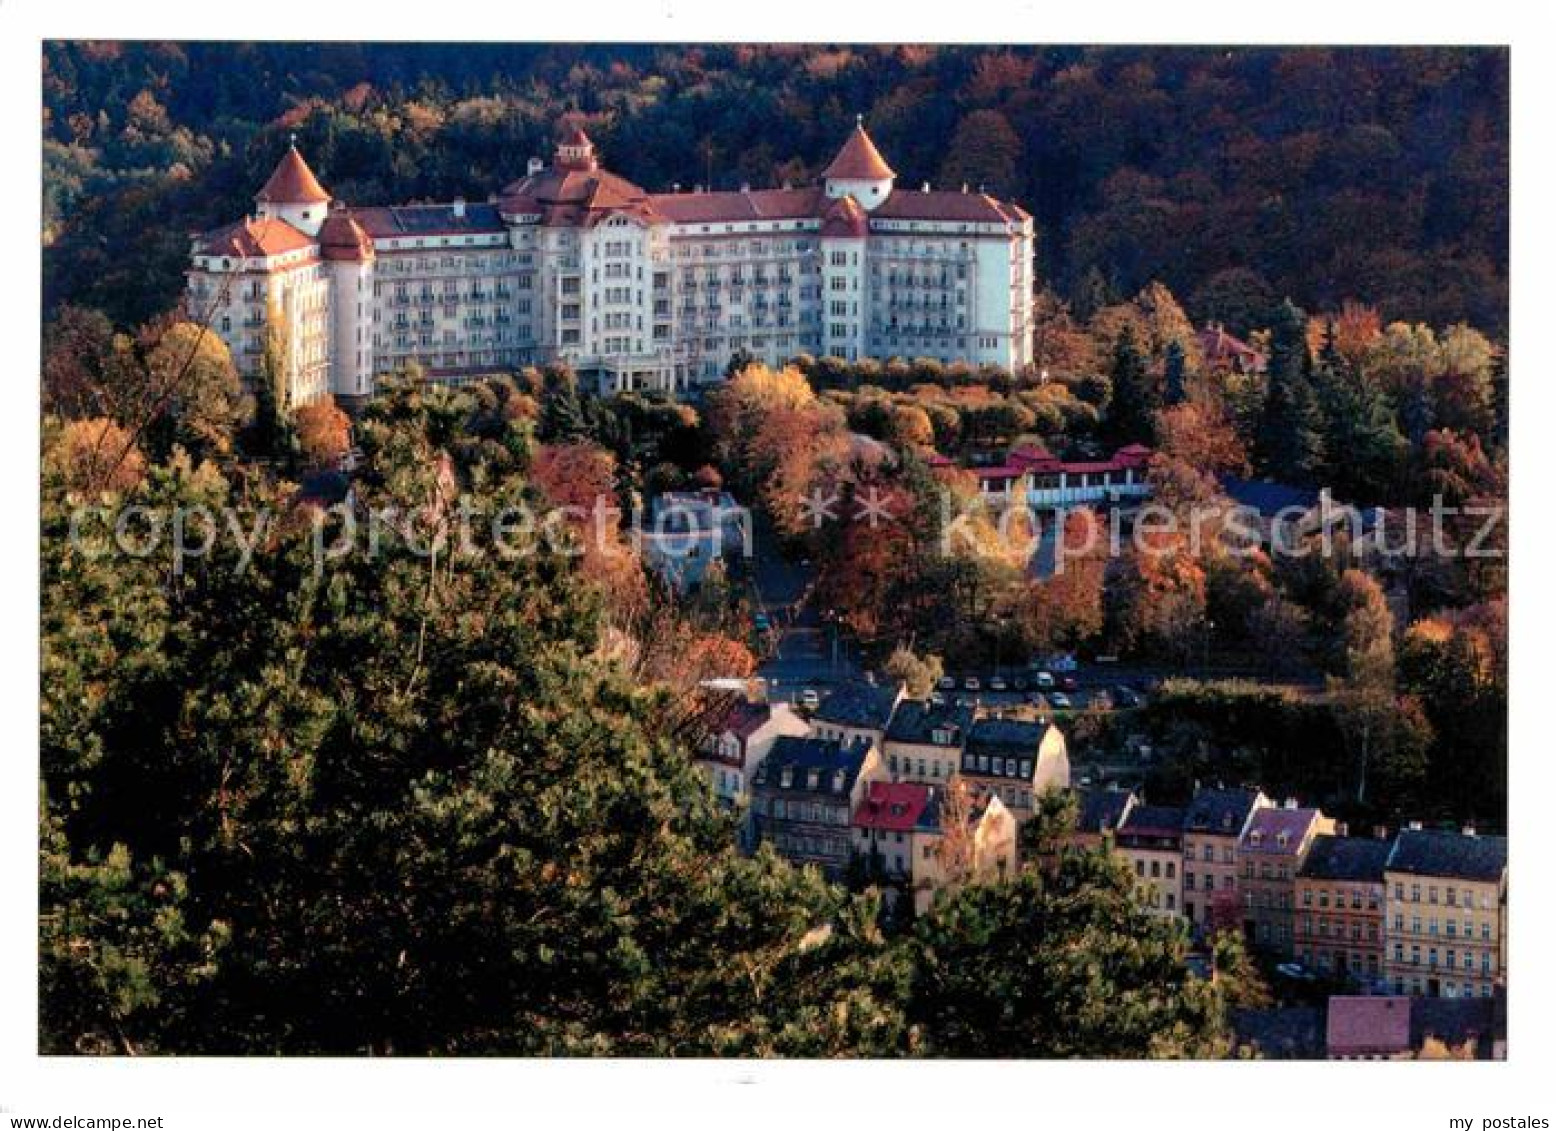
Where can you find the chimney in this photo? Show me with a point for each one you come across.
(676, 186)
(1381, 832)
(746, 186)
(1415, 826)
(1341, 828)
(1290, 803)
(534, 166)
(1468, 830)
(459, 208)
(925, 186)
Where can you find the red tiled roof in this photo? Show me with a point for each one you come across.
(1368, 1026)
(254, 239)
(566, 195)
(845, 219)
(342, 237)
(859, 160)
(743, 719)
(893, 806)
(946, 205)
(293, 182)
(723, 207)
(1218, 346)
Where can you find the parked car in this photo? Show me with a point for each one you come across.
(1126, 697)
(809, 700)
(1060, 701)
(1068, 683)
(1019, 683)
(997, 683)
(946, 683)
(1063, 662)
(937, 699)
(1043, 681)
(761, 622)
(971, 683)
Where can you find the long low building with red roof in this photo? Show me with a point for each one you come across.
(1031, 476)
(634, 289)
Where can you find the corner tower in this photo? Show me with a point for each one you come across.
(294, 194)
(859, 171)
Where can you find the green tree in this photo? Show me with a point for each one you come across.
(1059, 965)
(1133, 396)
(1288, 442)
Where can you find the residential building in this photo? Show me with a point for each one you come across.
(1271, 853)
(1445, 913)
(901, 835)
(1151, 839)
(805, 793)
(857, 711)
(924, 741)
(1214, 821)
(739, 741)
(1017, 761)
(634, 289)
(1339, 929)
(1222, 353)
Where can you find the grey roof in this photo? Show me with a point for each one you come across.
(1355, 858)
(1152, 826)
(1456, 855)
(915, 720)
(1270, 499)
(859, 705)
(1006, 737)
(1099, 809)
(1221, 811)
(801, 755)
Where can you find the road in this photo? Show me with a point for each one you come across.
(805, 650)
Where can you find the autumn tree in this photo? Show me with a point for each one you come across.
(324, 432)
(918, 674)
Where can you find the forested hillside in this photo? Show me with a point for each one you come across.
(1235, 176)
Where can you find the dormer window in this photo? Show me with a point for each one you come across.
(811, 779)
(1255, 840)
(838, 781)
(1282, 840)
(786, 777)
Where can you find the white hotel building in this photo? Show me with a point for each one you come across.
(634, 290)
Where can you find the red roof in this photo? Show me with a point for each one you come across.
(577, 138)
(293, 182)
(254, 239)
(1368, 1026)
(946, 205)
(724, 207)
(859, 160)
(845, 219)
(565, 195)
(342, 237)
(1219, 347)
(893, 806)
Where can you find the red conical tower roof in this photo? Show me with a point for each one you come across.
(293, 182)
(859, 160)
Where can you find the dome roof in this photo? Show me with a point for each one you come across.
(293, 182)
(563, 195)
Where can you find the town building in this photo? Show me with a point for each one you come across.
(1340, 924)
(1032, 477)
(1445, 913)
(572, 263)
(739, 741)
(1151, 840)
(901, 836)
(857, 712)
(1017, 761)
(1215, 819)
(1271, 852)
(1223, 354)
(924, 741)
(805, 793)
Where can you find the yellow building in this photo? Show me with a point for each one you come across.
(1151, 840)
(1214, 822)
(1445, 914)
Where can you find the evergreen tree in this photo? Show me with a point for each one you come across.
(562, 411)
(1134, 398)
(1288, 441)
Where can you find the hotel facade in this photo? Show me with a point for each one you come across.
(634, 290)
